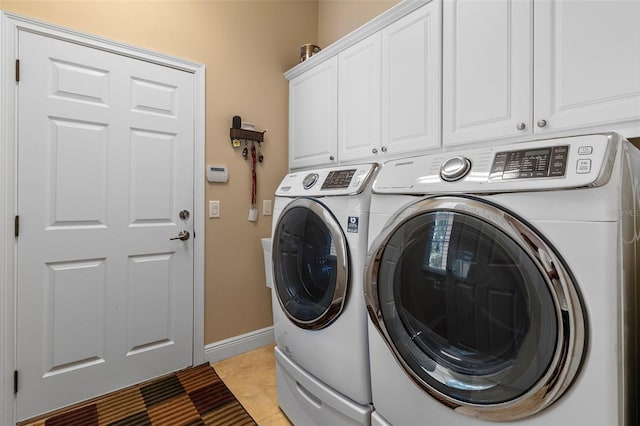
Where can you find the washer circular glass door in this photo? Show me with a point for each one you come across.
(477, 307)
(310, 264)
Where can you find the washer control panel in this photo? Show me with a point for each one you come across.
(341, 180)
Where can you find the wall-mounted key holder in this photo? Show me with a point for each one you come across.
(238, 135)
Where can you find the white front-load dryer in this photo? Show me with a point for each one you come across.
(503, 285)
(319, 248)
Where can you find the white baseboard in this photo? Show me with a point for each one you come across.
(237, 345)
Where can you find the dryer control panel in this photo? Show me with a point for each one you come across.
(561, 163)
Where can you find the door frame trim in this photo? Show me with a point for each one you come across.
(10, 25)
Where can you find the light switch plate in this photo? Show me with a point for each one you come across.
(266, 208)
(214, 208)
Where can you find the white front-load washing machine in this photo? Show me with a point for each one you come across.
(503, 284)
(319, 248)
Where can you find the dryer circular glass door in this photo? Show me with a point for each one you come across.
(310, 264)
(477, 307)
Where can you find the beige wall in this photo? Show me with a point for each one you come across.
(337, 18)
(245, 46)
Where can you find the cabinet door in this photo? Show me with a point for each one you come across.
(411, 82)
(486, 70)
(313, 98)
(359, 100)
(587, 63)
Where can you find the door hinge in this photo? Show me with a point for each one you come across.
(15, 381)
(17, 70)
(17, 226)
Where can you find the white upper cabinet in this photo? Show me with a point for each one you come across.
(373, 94)
(486, 69)
(427, 74)
(512, 69)
(411, 82)
(586, 63)
(313, 101)
(389, 89)
(359, 100)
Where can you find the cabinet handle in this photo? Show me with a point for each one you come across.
(542, 123)
(521, 126)
(331, 158)
(384, 149)
(375, 151)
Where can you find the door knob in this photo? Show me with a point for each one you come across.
(184, 214)
(183, 235)
(542, 123)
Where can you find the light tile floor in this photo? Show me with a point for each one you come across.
(252, 379)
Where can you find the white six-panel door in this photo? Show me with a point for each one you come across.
(105, 166)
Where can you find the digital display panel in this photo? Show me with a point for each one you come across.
(337, 179)
(532, 163)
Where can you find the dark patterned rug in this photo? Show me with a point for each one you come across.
(195, 396)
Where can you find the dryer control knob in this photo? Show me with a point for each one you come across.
(310, 180)
(455, 168)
